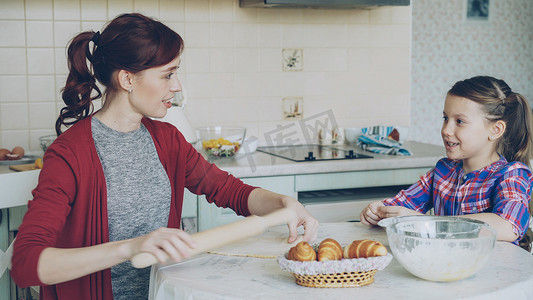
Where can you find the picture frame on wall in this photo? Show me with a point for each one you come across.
(477, 10)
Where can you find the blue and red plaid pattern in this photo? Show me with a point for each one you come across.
(502, 188)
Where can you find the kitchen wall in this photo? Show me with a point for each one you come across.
(446, 48)
(355, 62)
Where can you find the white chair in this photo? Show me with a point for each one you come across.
(15, 190)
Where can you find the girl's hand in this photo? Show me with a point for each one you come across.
(396, 211)
(163, 243)
(304, 218)
(370, 214)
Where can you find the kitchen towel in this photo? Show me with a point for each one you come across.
(375, 139)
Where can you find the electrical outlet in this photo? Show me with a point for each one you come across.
(293, 108)
(292, 59)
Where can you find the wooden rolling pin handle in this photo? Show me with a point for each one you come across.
(278, 217)
(225, 234)
(143, 260)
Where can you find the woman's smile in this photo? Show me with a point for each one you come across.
(167, 102)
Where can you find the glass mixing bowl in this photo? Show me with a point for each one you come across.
(46, 141)
(221, 141)
(439, 248)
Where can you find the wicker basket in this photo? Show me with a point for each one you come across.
(335, 273)
(338, 280)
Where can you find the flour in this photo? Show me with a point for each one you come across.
(442, 260)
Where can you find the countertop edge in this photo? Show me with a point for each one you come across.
(260, 164)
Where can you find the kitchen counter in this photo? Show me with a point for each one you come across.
(261, 164)
(16, 185)
(508, 273)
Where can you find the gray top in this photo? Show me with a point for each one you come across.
(138, 197)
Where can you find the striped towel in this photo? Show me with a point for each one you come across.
(375, 139)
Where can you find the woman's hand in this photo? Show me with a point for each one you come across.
(163, 243)
(58, 265)
(304, 218)
(262, 202)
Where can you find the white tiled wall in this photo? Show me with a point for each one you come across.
(356, 62)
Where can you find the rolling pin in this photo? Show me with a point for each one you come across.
(225, 234)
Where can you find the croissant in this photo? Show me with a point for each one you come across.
(364, 248)
(329, 249)
(302, 252)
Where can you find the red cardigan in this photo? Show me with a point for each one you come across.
(69, 206)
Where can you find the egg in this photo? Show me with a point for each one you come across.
(18, 151)
(3, 153)
(12, 156)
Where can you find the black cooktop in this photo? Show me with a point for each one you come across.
(300, 153)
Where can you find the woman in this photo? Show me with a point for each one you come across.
(112, 184)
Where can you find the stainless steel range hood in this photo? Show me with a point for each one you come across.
(333, 4)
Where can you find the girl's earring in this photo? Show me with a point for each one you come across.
(490, 138)
(129, 91)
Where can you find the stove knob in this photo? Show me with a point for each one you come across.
(310, 157)
(350, 154)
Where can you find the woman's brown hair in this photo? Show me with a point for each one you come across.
(131, 42)
(499, 102)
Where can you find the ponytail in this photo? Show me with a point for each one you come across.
(517, 141)
(78, 91)
(499, 102)
(131, 42)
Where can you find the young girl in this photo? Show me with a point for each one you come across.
(112, 184)
(487, 133)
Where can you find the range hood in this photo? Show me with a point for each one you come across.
(334, 4)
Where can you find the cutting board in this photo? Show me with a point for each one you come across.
(23, 167)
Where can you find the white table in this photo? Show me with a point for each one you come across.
(508, 274)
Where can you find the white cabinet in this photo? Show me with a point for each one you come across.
(190, 205)
(209, 215)
(349, 193)
(358, 179)
(385, 173)
(189, 212)
(335, 197)
(344, 204)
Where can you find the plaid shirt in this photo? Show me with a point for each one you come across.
(502, 188)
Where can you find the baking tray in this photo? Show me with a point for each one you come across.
(24, 160)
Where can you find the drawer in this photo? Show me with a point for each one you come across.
(345, 204)
(359, 179)
(338, 211)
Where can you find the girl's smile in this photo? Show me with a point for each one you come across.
(450, 145)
